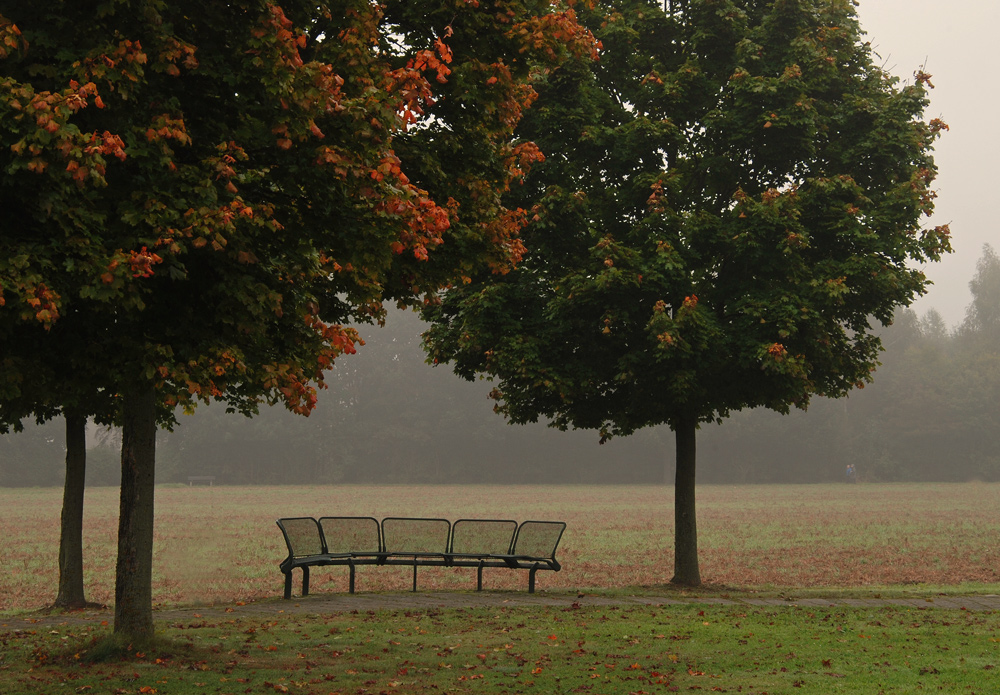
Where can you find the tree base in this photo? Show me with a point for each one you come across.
(67, 606)
(679, 581)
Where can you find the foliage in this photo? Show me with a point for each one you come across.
(611, 648)
(757, 194)
(248, 210)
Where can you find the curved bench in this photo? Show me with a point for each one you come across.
(352, 541)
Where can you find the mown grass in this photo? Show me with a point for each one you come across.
(629, 649)
(221, 544)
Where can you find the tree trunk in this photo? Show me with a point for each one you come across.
(71, 593)
(685, 522)
(134, 571)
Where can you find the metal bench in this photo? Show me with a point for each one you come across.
(352, 541)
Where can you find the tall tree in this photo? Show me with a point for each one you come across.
(731, 197)
(210, 191)
(977, 384)
(982, 317)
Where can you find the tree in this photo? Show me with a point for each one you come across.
(42, 388)
(982, 317)
(210, 191)
(730, 198)
(977, 385)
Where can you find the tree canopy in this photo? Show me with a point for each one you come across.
(208, 192)
(732, 196)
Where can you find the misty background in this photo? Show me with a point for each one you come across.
(933, 414)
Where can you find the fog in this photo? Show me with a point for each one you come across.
(390, 418)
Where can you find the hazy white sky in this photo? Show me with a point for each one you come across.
(957, 42)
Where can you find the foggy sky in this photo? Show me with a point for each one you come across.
(955, 41)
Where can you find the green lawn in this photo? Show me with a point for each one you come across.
(628, 649)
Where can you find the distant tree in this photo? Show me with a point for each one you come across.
(731, 197)
(933, 327)
(904, 329)
(32, 457)
(211, 191)
(388, 417)
(977, 383)
(982, 317)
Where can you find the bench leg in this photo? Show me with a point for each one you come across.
(288, 585)
(479, 578)
(414, 574)
(305, 581)
(351, 566)
(531, 579)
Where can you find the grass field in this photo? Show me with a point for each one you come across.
(221, 543)
(602, 651)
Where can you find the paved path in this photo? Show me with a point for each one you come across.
(321, 603)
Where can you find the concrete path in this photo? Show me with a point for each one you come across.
(325, 603)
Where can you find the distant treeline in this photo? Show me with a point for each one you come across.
(933, 414)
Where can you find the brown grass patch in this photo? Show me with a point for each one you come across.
(221, 543)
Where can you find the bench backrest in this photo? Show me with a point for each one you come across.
(538, 539)
(482, 536)
(406, 535)
(351, 534)
(302, 536)
(306, 536)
